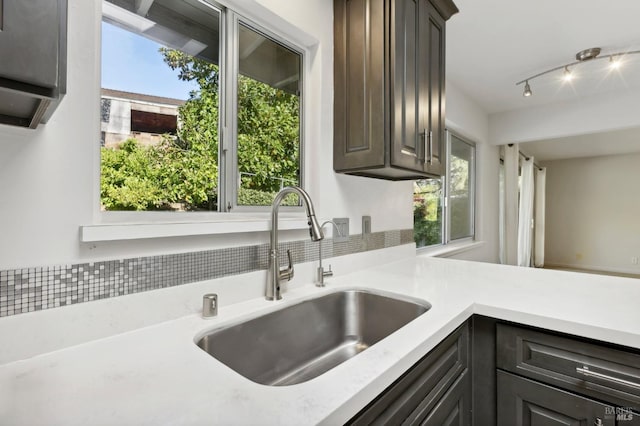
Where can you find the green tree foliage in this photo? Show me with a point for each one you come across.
(183, 169)
(427, 205)
(268, 135)
(129, 178)
(427, 212)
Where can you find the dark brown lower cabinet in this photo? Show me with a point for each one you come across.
(526, 402)
(454, 407)
(435, 391)
(564, 380)
(491, 372)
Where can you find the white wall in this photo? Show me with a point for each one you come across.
(593, 114)
(467, 119)
(592, 211)
(46, 175)
(49, 177)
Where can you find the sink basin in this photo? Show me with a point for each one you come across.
(302, 341)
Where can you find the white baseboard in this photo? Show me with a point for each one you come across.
(594, 268)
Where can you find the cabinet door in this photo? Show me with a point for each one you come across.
(435, 137)
(408, 56)
(425, 387)
(525, 402)
(454, 409)
(29, 36)
(360, 126)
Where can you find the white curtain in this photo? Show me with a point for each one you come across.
(509, 207)
(538, 242)
(525, 213)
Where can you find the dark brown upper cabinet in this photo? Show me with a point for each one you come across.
(389, 59)
(33, 37)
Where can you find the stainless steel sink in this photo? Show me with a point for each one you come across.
(302, 341)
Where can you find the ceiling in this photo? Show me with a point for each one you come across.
(492, 44)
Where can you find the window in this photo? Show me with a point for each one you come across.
(444, 207)
(201, 109)
(268, 117)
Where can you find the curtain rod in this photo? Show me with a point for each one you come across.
(526, 157)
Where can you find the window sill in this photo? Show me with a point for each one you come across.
(449, 249)
(135, 231)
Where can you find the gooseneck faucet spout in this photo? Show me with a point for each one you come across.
(275, 274)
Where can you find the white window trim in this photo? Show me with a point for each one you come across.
(113, 225)
(452, 249)
(229, 225)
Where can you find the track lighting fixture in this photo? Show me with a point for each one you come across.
(615, 61)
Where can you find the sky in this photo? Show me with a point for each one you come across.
(132, 63)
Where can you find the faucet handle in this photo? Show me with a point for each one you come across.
(287, 273)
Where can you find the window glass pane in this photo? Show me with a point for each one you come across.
(268, 119)
(159, 105)
(460, 188)
(427, 212)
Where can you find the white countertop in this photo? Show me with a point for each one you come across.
(157, 375)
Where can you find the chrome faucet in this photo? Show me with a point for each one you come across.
(321, 273)
(275, 274)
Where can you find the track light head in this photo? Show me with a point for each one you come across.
(568, 76)
(614, 62)
(527, 90)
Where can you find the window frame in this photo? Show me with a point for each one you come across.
(228, 209)
(472, 189)
(446, 210)
(234, 20)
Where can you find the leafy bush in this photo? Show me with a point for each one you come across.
(253, 197)
(129, 178)
(426, 232)
(138, 177)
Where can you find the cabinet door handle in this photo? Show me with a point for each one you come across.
(423, 156)
(585, 371)
(429, 147)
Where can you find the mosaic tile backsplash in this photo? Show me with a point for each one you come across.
(35, 289)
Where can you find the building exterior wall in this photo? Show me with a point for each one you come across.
(116, 119)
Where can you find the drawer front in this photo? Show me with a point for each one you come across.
(525, 402)
(422, 386)
(590, 369)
